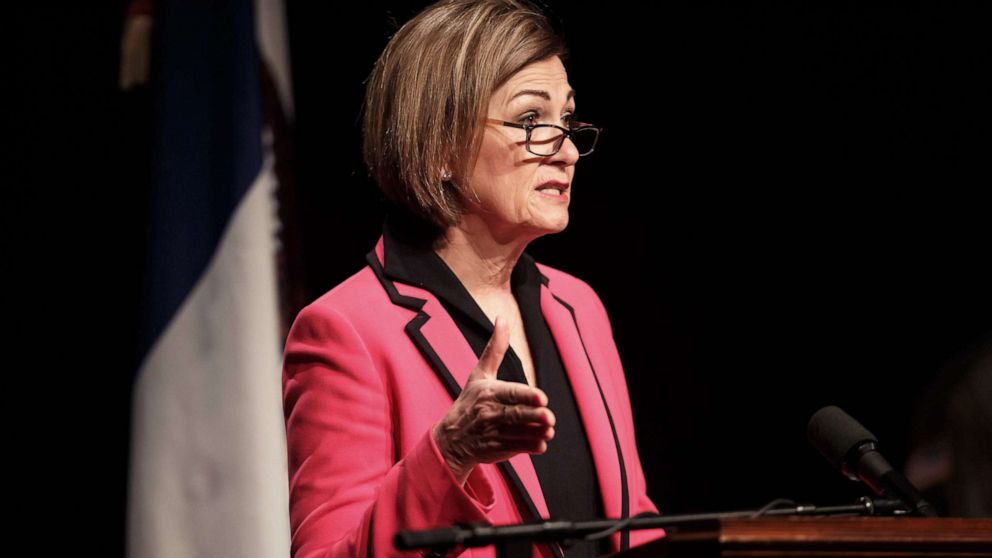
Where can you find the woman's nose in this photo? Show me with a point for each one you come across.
(568, 153)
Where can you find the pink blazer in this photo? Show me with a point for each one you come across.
(373, 364)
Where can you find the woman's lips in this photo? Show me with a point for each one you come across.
(549, 191)
(549, 186)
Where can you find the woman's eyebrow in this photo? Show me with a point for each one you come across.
(539, 93)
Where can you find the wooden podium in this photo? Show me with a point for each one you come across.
(835, 537)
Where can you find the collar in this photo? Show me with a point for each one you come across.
(410, 259)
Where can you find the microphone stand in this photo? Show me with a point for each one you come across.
(510, 539)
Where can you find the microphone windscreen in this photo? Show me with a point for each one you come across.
(834, 433)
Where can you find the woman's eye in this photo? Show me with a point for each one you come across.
(529, 118)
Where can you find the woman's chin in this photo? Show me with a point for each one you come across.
(554, 225)
(550, 220)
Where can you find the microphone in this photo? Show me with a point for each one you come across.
(852, 450)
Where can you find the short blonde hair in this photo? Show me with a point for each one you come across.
(429, 93)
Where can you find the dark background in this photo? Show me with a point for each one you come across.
(786, 210)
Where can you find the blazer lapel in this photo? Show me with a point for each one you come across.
(431, 329)
(444, 347)
(592, 403)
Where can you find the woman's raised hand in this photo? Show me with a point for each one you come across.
(493, 420)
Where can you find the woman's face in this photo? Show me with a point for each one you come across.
(503, 186)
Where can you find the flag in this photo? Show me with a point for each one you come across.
(207, 469)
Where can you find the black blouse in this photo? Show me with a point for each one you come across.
(565, 471)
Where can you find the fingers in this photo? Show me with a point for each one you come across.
(492, 356)
(515, 393)
(491, 419)
(495, 349)
(522, 414)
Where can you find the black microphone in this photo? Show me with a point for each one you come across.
(852, 450)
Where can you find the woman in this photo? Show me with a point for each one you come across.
(454, 379)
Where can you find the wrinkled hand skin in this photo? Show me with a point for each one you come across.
(493, 420)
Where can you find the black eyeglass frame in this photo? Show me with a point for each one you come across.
(567, 133)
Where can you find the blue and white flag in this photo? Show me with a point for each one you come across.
(208, 452)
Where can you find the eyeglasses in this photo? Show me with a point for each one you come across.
(545, 140)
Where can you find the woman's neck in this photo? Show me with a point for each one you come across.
(481, 260)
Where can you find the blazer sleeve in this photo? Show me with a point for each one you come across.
(639, 502)
(348, 493)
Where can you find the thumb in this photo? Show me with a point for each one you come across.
(493, 354)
